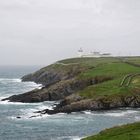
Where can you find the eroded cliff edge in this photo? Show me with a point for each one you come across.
(85, 84)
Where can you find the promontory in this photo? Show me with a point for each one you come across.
(86, 84)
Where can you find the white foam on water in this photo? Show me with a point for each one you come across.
(61, 114)
(137, 118)
(33, 84)
(69, 137)
(87, 112)
(77, 138)
(18, 80)
(10, 103)
(124, 113)
(8, 80)
(24, 114)
(117, 113)
(15, 103)
(42, 107)
(30, 115)
(2, 97)
(24, 85)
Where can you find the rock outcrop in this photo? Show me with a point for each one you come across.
(76, 103)
(54, 73)
(65, 82)
(55, 92)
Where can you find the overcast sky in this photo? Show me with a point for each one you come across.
(38, 32)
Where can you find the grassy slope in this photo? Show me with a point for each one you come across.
(135, 60)
(125, 132)
(109, 67)
(116, 70)
(90, 62)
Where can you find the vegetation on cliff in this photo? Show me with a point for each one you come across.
(125, 132)
(112, 87)
(86, 84)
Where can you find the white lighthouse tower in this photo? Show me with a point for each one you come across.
(80, 52)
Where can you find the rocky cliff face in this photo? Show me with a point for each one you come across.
(76, 103)
(54, 73)
(63, 82)
(57, 91)
(59, 81)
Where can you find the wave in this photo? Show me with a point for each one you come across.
(18, 80)
(9, 87)
(14, 103)
(137, 118)
(42, 107)
(87, 112)
(28, 114)
(122, 113)
(32, 108)
(69, 137)
(39, 105)
(10, 80)
(118, 113)
(33, 84)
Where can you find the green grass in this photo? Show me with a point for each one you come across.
(105, 89)
(111, 67)
(95, 61)
(116, 69)
(105, 67)
(76, 63)
(112, 87)
(136, 81)
(133, 59)
(125, 132)
(87, 62)
(91, 62)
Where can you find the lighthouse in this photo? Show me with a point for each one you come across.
(80, 52)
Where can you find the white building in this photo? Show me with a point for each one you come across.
(92, 54)
(80, 52)
(106, 55)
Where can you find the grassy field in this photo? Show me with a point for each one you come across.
(116, 70)
(90, 62)
(135, 60)
(125, 132)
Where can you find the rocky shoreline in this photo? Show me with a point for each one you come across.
(102, 103)
(62, 82)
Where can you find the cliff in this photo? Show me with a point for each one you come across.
(86, 84)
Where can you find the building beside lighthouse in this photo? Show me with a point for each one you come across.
(92, 54)
(80, 52)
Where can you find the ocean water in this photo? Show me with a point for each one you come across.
(49, 127)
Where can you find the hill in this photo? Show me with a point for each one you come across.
(86, 84)
(125, 132)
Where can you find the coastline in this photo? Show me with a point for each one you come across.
(85, 86)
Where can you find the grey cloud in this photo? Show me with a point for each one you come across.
(40, 32)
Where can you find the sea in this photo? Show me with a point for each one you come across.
(49, 127)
